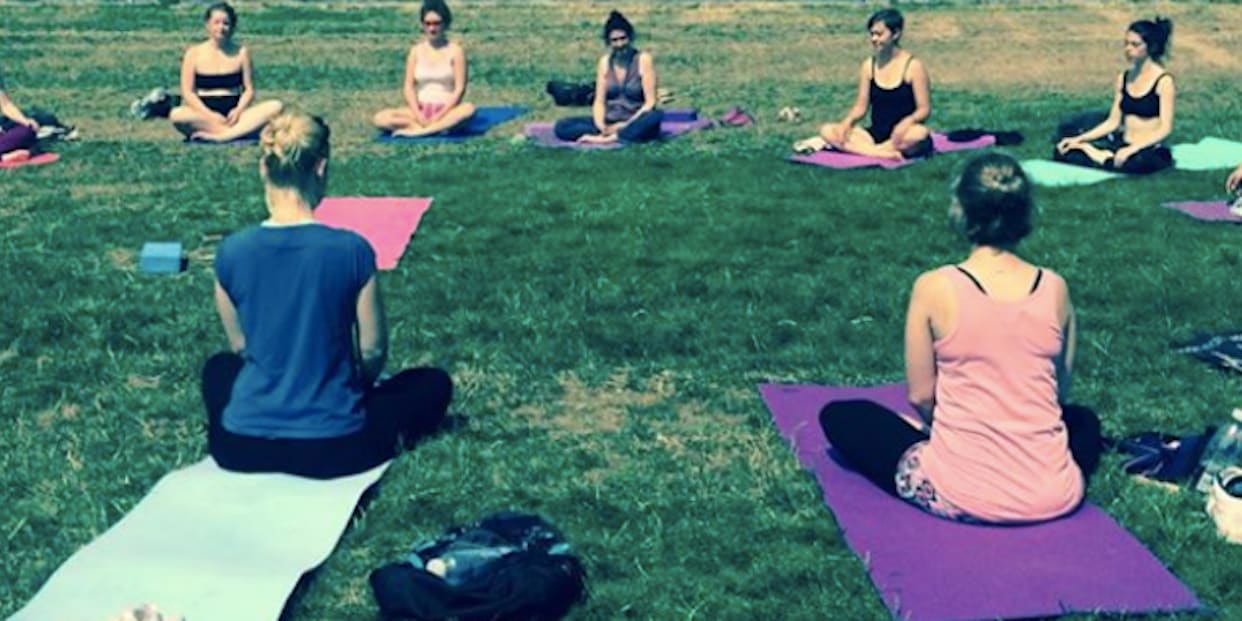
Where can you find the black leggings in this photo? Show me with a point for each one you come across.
(873, 438)
(399, 411)
(645, 128)
(1147, 160)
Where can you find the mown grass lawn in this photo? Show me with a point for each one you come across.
(605, 316)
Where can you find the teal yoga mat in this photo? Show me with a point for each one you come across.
(206, 544)
(1057, 174)
(1208, 154)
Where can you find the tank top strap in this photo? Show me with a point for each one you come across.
(905, 71)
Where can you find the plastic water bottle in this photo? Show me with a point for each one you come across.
(1222, 451)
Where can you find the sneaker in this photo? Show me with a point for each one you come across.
(1235, 208)
(141, 108)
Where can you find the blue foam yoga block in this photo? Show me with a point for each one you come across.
(160, 258)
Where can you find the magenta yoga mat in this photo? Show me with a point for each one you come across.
(1210, 211)
(840, 160)
(386, 222)
(931, 569)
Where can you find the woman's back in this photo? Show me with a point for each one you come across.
(998, 448)
(296, 290)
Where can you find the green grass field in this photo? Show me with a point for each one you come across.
(606, 316)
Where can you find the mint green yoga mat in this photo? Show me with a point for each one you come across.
(1211, 153)
(1058, 174)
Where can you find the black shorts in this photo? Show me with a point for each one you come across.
(221, 104)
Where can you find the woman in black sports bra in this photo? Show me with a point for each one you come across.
(894, 85)
(1131, 139)
(216, 85)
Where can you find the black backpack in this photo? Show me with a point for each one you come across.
(506, 567)
(570, 93)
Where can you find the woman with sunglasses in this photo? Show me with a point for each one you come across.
(624, 109)
(300, 391)
(895, 87)
(217, 88)
(435, 81)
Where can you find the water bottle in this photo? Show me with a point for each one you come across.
(1222, 451)
(462, 564)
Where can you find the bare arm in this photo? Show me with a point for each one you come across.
(228, 317)
(920, 352)
(601, 94)
(372, 332)
(922, 93)
(1111, 123)
(247, 94)
(10, 110)
(408, 89)
(646, 67)
(1234, 181)
(1069, 345)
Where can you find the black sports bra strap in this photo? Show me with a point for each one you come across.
(1039, 275)
(972, 279)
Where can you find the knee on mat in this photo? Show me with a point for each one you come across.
(834, 418)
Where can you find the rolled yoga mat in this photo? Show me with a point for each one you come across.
(387, 223)
(829, 158)
(930, 569)
(483, 120)
(206, 544)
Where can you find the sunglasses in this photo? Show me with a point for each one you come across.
(620, 39)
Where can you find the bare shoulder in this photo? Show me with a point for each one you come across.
(931, 284)
(864, 69)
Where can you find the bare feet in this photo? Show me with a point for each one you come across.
(598, 139)
(16, 155)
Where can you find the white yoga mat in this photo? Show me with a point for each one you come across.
(1208, 154)
(208, 544)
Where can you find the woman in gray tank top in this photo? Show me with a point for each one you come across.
(625, 93)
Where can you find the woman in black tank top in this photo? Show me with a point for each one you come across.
(894, 85)
(217, 88)
(1131, 139)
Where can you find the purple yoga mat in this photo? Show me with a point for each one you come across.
(1211, 211)
(543, 135)
(840, 160)
(930, 569)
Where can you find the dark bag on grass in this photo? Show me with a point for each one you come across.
(1078, 124)
(570, 94)
(507, 567)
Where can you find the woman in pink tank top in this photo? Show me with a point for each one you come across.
(989, 348)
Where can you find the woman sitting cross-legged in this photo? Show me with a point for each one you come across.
(989, 350)
(894, 85)
(301, 307)
(17, 141)
(217, 85)
(1144, 121)
(624, 109)
(434, 83)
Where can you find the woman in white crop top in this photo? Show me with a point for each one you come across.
(435, 81)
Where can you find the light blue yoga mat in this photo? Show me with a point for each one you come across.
(206, 544)
(483, 120)
(1208, 154)
(1058, 174)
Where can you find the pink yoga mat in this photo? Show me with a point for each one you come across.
(1210, 211)
(543, 134)
(839, 160)
(386, 222)
(42, 158)
(930, 569)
